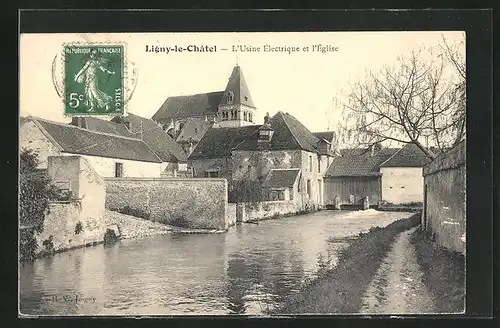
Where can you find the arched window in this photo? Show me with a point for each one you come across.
(245, 116)
(229, 97)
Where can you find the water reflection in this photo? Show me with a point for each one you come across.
(247, 270)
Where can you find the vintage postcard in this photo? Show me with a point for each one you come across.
(242, 173)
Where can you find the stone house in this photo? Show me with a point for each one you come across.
(174, 160)
(110, 155)
(251, 153)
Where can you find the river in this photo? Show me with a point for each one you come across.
(246, 270)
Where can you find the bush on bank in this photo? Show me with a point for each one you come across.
(35, 194)
(340, 289)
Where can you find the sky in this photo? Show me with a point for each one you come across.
(302, 83)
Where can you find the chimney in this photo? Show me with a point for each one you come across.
(266, 119)
(79, 122)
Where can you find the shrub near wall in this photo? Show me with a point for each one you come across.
(190, 203)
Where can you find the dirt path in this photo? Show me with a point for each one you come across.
(397, 287)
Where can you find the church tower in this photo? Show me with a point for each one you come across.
(236, 107)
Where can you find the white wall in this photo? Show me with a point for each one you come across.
(105, 167)
(402, 184)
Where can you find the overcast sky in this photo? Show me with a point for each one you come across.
(302, 83)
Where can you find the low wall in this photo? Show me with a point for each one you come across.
(444, 203)
(190, 203)
(264, 210)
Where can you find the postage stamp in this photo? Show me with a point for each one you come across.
(94, 79)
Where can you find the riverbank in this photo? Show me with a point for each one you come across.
(128, 227)
(341, 289)
(443, 273)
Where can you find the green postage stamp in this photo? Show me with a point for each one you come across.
(93, 80)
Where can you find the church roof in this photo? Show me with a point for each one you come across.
(289, 134)
(76, 140)
(219, 142)
(238, 86)
(196, 105)
(281, 178)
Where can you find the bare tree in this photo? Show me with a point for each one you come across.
(420, 99)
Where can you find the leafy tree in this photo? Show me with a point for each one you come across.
(248, 191)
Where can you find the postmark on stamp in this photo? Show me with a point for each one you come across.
(94, 79)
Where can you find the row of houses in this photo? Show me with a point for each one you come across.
(214, 135)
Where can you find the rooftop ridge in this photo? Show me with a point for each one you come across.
(71, 126)
(195, 94)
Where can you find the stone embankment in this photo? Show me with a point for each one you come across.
(127, 227)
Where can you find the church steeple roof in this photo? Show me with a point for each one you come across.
(237, 91)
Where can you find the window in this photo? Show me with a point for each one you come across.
(265, 135)
(118, 170)
(183, 167)
(250, 117)
(308, 188)
(291, 193)
(229, 97)
(310, 163)
(211, 174)
(319, 165)
(245, 116)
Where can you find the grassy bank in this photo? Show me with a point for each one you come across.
(444, 273)
(340, 290)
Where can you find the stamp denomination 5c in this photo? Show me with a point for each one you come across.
(93, 79)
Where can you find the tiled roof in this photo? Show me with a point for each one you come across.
(193, 130)
(189, 106)
(408, 156)
(289, 134)
(219, 142)
(99, 125)
(77, 140)
(359, 162)
(160, 142)
(281, 178)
